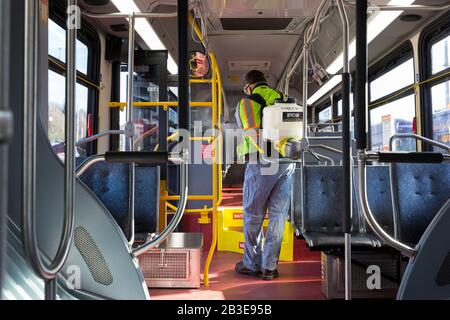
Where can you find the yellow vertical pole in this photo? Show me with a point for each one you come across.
(219, 127)
(217, 167)
(214, 179)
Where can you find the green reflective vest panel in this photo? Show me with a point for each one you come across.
(248, 115)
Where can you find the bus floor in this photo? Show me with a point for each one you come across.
(298, 280)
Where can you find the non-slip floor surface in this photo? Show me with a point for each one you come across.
(299, 280)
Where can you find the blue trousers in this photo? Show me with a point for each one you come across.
(265, 193)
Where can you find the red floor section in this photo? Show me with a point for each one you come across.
(232, 197)
(300, 280)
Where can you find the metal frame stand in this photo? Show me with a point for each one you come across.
(31, 107)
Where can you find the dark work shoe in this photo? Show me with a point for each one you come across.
(269, 275)
(240, 268)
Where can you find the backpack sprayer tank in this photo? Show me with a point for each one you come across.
(283, 126)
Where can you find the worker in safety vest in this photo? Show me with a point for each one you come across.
(263, 193)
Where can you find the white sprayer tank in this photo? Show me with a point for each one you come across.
(283, 120)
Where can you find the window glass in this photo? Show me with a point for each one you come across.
(325, 115)
(390, 119)
(57, 47)
(145, 119)
(392, 81)
(440, 99)
(56, 125)
(440, 55)
(339, 105)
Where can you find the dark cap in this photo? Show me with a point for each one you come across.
(255, 76)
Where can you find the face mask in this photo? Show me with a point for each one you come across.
(247, 89)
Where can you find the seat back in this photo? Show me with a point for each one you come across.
(323, 200)
(427, 276)
(420, 191)
(379, 197)
(109, 182)
(296, 208)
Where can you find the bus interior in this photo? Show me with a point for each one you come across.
(119, 176)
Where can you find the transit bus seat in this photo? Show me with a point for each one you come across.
(296, 201)
(325, 134)
(379, 197)
(79, 161)
(109, 182)
(427, 276)
(420, 191)
(196, 169)
(322, 219)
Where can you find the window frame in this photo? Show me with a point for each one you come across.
(327, 103)
(392, 60)
(338, 97)
(88, 36)
(395, 58)
(432, 34)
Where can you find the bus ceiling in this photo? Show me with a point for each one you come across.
(266, 35)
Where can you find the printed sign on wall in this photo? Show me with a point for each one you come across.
(387, 131)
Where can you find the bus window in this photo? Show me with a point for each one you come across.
(146, 120)
(392, 107)
(440, 102)
(86, 90)
(57, 47)
(392, 81)
(390, 119)
(325, 115)
(339, 104)
(440, 55)
(56, 116)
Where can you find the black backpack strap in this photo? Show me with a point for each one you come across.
(258, 99)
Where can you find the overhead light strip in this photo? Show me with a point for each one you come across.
(327, 87)
(376, 25)
(146, 31)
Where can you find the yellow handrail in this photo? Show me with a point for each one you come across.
(217, 168)
(216, 140)
(164, 104)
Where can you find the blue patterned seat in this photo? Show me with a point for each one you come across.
(109, 182)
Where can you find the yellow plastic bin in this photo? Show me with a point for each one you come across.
(231, 235)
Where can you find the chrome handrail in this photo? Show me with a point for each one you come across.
(319, 126)
(158, 239)
(180, 159)
(98, 136)
(31, 94)
(411, 7)
(144, 15)
(89, 163)
(417, 137)
(6, 126)
(309, 36)
(325, 147)
(368, 214)
(323, 157)
(6, 130)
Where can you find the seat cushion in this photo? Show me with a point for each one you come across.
(321, 241)
(421, 191)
